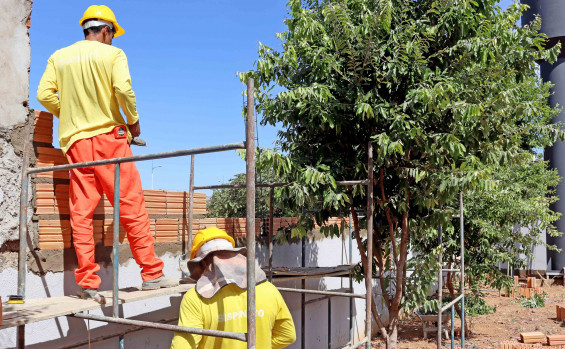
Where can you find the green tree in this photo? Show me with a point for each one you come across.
(493, 218)
(447, 92)
(232, 202)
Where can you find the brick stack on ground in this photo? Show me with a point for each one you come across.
(531, 287)
(556, 339)
(514, 345)
(533, 337)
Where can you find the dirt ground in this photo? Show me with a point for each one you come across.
(509, 320)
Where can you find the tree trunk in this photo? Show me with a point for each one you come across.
(452, 294)
(364, 264)
(392, 339)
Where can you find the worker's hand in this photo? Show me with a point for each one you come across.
(134, 129)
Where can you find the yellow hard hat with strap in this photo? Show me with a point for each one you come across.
(203, 236)
(104, 13)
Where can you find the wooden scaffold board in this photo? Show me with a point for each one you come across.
(34, 310)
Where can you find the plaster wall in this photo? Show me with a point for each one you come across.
(14, 70)
(70, 332)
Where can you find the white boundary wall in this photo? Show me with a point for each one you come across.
(68, 332)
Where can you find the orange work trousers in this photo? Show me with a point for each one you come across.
(85, 192)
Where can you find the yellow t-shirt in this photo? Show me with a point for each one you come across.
(84, 85)
(227, 311)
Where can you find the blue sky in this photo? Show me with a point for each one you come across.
(183, 58)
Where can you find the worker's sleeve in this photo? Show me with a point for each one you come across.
(190, 315)
(121, 81)
(284, 333)
(47, 89)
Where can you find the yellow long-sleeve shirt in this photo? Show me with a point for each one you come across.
(227, 311)
(84, 85)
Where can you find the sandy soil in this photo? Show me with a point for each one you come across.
(509, 320)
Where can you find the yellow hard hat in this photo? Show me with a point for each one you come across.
(104, 13)
(205, 235)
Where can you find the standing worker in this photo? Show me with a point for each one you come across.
(84, 85)
(219, 299)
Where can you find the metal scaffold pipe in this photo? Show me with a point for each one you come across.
(160, 326)
(272, 185)
(330, 293)
(169, 154)
(369, 271)
(190, 207)
(250, 228)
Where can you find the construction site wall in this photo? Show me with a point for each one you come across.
(65, 332)
(14, 114)
(52, 261)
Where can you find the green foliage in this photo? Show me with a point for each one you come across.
(476, 305)
(536, 301)
(447, 91)
(232, 202)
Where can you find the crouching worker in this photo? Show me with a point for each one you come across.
(219, 299)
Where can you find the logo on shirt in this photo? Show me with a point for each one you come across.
(77, 59)
(238, 315)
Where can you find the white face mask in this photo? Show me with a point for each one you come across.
(226, 269)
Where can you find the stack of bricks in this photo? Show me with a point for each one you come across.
(560, 310)
(527, 290)
(532, 337)
(43, 128)
(516, 345)
(236, 227)
(168, 210)
(556, 339)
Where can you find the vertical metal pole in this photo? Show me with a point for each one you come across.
(23, 236)
(440, 286)
(462, 283)
(116, 252)
(250, 224)
(271, 201)
(452, 327)
(369, 271)
(190, 206)
(330, 322)
(350, 280)
(303, 300)
(21, 336)
(23, 249)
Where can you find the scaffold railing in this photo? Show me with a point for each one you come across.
(249, 146)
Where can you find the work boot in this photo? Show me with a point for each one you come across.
(91, 293)
(160, 282)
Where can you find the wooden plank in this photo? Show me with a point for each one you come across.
(34, 310)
